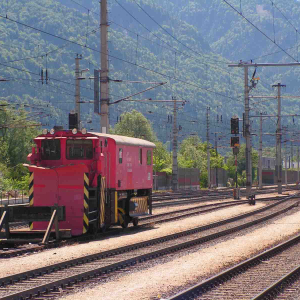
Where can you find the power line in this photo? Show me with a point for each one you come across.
(283, 15)
(174, 49)
(85, 7)
(162, 28)
(259, 30)
(52, 51)
(120, 59)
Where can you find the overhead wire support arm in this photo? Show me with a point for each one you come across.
(149, 99)
(148, 89)
(130, 81)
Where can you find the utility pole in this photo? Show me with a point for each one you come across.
(247, 134)
(77, 89)
(278, 168)
(246, 65)
(292, 155)
(175, 163)
(104, 80)
(216, 147)
(208, 153)
(285, 157)
(260, 152)
(298, 163)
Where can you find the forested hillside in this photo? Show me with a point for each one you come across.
(185, 43)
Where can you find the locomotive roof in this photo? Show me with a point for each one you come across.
(125, 140)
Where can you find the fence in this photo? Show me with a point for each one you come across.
(187, 179)
(270, 177)
(12, 197)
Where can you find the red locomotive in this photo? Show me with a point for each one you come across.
(100, 179)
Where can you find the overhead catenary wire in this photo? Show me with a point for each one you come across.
(260, 30)
(123, 60)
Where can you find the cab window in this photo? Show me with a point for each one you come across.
(79, 149)
(50, 149)
(141, 156)
(120, 155)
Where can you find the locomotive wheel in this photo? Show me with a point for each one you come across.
(125, 222)
(103, 229)
(135, 221)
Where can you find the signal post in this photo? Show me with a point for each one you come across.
(235, 144)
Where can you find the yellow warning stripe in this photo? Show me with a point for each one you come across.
(86, 206)
(86, 192)
(85, 202)
(86, 220)
(31, 189)
(86, 179)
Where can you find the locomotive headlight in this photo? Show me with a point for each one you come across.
(52, 131)
(83, 131)
(45, 131)
(74, 130)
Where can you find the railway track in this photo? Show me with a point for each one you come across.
(143, 222)
(47, 280)
(268, 275)
(200, 199)
(225, 191)
(188, 212)
(182, 199)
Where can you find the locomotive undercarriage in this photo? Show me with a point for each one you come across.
(110, 207)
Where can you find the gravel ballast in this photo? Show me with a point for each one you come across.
(158, 281)
(47, 257)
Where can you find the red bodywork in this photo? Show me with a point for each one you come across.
(61, 181)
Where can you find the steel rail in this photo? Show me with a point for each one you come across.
(11, 253)
(185, 202)
(189, 214)
(200, 289)
(122, 264)
(18, 252)
(276, 288)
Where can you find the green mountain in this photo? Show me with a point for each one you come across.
(185, 43)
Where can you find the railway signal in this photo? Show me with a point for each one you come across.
(234, 125)
(234, 141)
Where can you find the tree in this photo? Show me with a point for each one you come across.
(193, 154)
(134, 124)
(16, 134)
(161, 158)
(241, 161)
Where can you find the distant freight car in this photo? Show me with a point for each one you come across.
(100, 179)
